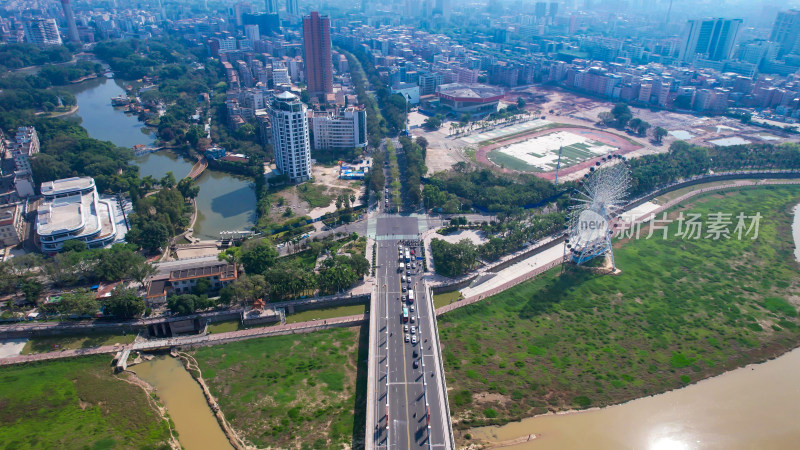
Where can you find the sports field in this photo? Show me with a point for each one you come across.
(540, 153)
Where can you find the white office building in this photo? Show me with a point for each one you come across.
(342, 128)
(72, 209)
(290, 141)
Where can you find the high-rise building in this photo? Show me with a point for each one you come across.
(293, 8)
(42, 32)
(272, 6)
(541, 9)
(553, 9)
(252, 33)
(72, 28)
(711, 39)
(341, 129)
(290, 140)
(268, 23)
(786, 32)
(317, 53)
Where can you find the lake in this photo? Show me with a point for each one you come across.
(225, 202)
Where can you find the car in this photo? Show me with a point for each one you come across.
(411, 308)
(404, 289)
(416, 364)
(403, 278)
(414, 339)
(405, 328)
(404, 298)
(415, 354)
(412, 319)
(413, 330)
(407, 338)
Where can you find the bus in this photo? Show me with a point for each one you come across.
(410, 296)
(405, 314)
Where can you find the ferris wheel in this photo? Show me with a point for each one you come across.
(596, 201)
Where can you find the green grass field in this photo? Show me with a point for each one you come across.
(314, 194)
(75, 403)
(326, 313)
(69, 342)
(570, 155)
(445, 299)
(296, 391)
(680, 311)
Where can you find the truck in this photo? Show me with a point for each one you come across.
(401, 267)
(410, 296)
(408, 256)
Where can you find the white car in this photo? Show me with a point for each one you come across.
(413, 330)
(412, 319)
(411, 308)
(407, 338)
(414, 340)
(405, 328)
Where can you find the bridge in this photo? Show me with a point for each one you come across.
(198, 167)
(406, 392)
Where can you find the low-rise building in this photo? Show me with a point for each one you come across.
(71, 209)
(12, 225)
(476, 99)
(183, 281)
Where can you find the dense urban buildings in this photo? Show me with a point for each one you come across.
(317, 54)
(290, 140)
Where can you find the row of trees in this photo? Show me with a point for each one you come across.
(621, 116)
(122, 304)
(286, 277)
(415, 168)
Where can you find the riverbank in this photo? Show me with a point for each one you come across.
(681, 311)
(717, 412)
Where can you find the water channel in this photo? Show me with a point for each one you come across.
(225, 202)
(754, 407)
(195, 423)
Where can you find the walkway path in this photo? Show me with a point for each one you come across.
(211, 339)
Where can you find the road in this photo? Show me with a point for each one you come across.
(405, 394)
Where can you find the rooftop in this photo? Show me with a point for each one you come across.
(472, 91)
(66, 185)
(223, 270)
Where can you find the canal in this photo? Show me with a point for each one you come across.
(195, 423)
(225, 202)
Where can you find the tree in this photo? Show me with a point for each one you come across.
(32, 289)
(659, 133)
(203, 286)
(520, 102)
(188, 188)
(432, 123)
(141, 271)
(622, 114)
(124, 304)
(168, 180)
(453, 260)
(231, 254)
(642, 128)
(79, 303)
(258, 256)
(74, 245)
(153, 236)
(188, 303)
(606, 117)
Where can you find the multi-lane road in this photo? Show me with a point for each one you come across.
(411, 410)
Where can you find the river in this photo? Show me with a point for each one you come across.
(195, 423)
(225, 202)
(754, 407)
